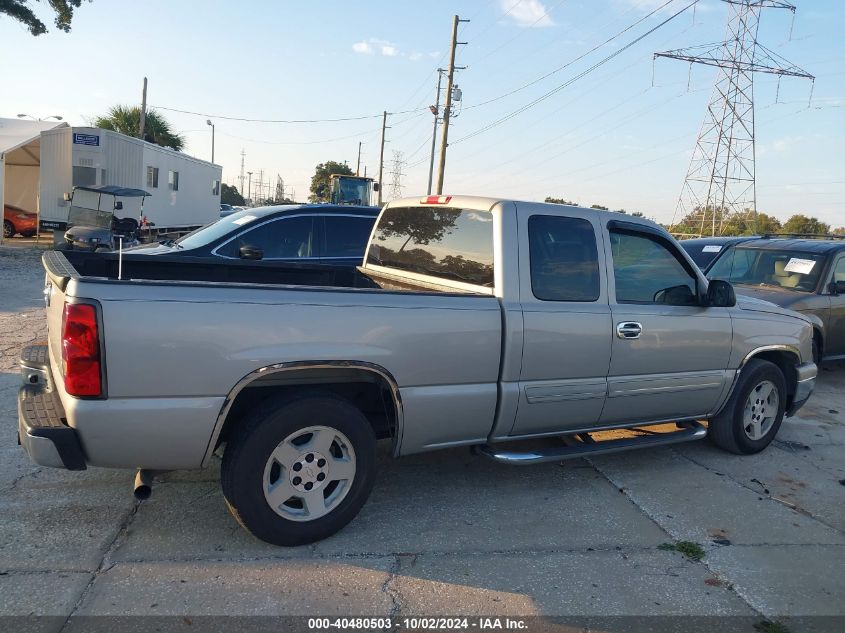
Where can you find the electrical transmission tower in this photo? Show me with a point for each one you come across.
(396, 172)
(720, 179)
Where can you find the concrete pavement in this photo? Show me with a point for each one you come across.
(443, 533)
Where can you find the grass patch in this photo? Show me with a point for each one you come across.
(691, 550)
(767, 626)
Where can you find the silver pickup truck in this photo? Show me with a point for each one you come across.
(471, 322)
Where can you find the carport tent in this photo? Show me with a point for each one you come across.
(20, 162)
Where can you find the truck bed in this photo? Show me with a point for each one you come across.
(164, 268)
(105, 266)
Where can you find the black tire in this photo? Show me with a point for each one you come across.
(727, 429)
(8, 229)
(251, 444)
(817, 349)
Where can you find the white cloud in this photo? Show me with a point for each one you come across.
(528, 13)
(373, 45)
(363, 48)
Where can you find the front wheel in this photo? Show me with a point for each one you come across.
(752, 416)
(8, 229)
(298, 470)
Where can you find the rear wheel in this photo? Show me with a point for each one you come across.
(752, 416)
(8, 229)
(298, 470)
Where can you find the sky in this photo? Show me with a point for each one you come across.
(621, 135)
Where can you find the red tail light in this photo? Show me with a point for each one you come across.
(81, 350)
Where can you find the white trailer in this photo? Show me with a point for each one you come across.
(184, 191)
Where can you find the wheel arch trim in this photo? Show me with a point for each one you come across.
(294, 366)
(790, 349)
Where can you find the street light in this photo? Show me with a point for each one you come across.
(52, 116)
(208, 121)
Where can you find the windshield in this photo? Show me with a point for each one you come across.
(80, 216)
(351, 191)
(758, 267)
(224, 226)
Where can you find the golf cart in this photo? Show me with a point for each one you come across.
(94, 228)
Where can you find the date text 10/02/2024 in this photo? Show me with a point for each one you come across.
(418, 623)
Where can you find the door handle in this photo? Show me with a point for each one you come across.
(629, 329)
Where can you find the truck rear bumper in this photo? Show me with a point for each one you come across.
(42, 431)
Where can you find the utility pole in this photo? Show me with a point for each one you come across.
(444, 142)
(249, 197)
(435, 110)
(381, 154)
(243, 154)
(143, 123)
(358, 166)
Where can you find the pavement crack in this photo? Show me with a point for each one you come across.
(389, 588)
(19, 478)
(760, 490)
(106, 562)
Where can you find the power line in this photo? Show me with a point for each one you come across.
(248, 120)
(572, 80)
(579, 58)
(515, 37)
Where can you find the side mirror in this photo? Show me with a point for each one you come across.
(250, 252)
(720, 294)
(837, 287)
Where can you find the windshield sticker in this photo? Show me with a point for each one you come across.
(800, 266)
(711, 248)
(243, 220)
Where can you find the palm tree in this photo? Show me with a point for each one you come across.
(127, 120)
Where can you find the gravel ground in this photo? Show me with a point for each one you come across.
(443, 533)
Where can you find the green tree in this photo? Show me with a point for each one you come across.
(839, 230)
(19, 10)
(799, 223)
(634, 214)
(320, 187)
(560, 201)
(599, 207)
(230, 195)
(127, 120)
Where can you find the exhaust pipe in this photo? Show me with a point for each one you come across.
(143, 484)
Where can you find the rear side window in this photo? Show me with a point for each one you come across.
(347, 236)
(455, 244)
(564, 259)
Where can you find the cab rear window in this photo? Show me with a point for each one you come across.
(444, 242)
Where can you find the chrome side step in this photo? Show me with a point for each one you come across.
(583, 445)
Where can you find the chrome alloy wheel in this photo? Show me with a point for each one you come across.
(309, 473)
(761, 410)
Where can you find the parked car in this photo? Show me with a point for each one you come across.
(472, 322)
(704, 250)
(802, 274)
(17, 220)
(226, 209)
(329, 234)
